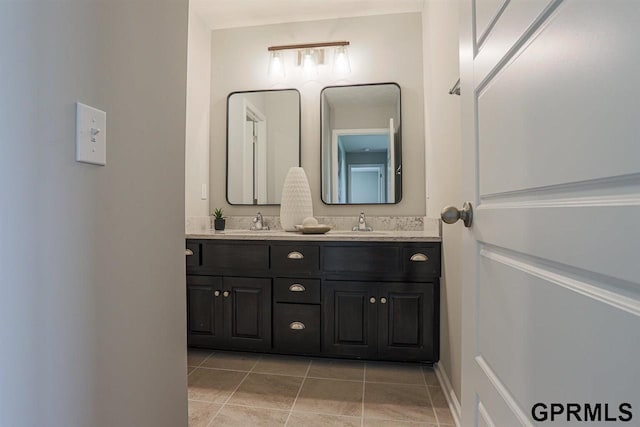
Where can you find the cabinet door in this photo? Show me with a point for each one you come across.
(204, 311)
(247, 306)
(349, 324)
(406, 321)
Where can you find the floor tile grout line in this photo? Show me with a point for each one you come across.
(364, 390)
(197, 367)
(299, 391)
(267, 408)
(424, 378)
(232, 393)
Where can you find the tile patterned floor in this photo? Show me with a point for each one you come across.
(246, 389)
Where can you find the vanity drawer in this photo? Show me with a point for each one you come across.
(295, 258)
(297, 290)
(421, 261)
(224, 257)
(193, 260)
(362, 259)
(296, 328)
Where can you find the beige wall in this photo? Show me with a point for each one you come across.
(442, 118)
(198, 114)
(92, 306)
(383, 48)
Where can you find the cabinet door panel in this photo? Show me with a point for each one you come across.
(204, 311)
(406, 321)
(248, 312)
(349, 326)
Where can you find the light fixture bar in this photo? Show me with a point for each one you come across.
(307, 45)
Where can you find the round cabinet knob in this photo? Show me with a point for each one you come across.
(383, 300)
(372, 300)
(225, 294)
(217, 293)
(451, 214)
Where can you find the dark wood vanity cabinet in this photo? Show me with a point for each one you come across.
(229, 311)
(373, 300)
(394, 321)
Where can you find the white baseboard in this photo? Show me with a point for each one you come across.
(452, 399)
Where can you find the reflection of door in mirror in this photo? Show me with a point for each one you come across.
(361, 161)
(254, 158)
(361, 144)
(263, 142)
(366, 184)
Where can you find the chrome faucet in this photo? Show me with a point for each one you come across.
(258, 223)
(362, 224)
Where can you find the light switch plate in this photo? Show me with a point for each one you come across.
(91, 135)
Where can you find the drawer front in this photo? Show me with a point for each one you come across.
(295, 258)
(296, 328)
(193, 260)
(297, 290)
(235, 258)
(362, 259)
(421, 261)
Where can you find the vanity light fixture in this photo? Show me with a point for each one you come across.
(276, 64)
(341, 63)
(309, 56)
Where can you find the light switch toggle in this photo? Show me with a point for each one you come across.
(94, 133)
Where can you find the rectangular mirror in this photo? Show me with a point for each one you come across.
(263, 142)
(361, 144)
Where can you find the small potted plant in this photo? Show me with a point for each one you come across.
(218, 219)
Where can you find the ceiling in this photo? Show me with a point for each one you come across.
(246, 13)
(354, 96)
(364, 143)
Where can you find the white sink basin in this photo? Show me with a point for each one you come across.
(358, 233)
(245, 232)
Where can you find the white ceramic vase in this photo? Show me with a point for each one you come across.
(296, 204)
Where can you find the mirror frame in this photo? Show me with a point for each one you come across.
(226, 180)
(399, 149)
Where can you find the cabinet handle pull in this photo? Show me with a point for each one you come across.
(225, 294)
(383, 300)
(188, 252)
(295, 255)
(372, 300)
(419, 257)
(297, 287)
(216, 293)
(296, 326)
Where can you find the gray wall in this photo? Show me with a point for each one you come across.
(92, 306)
(443, 160)
(198, 116)
(383, 48)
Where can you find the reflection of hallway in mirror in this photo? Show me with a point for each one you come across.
(363, 165)
(366, 184)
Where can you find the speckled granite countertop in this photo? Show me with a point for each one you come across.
(333, 235)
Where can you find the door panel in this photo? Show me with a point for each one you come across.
(563, 66)
(349, 325)
(551, 284)
(406, 325)
(573, 329)
(248, 312)
(204, 311)
(487, 14)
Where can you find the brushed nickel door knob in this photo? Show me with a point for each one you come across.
(383, 300)
(451, 214)
(372, 300)
(216, 293)
(225, 294)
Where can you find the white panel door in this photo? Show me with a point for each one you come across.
(551, 154)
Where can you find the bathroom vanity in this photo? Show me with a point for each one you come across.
(344, 294)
